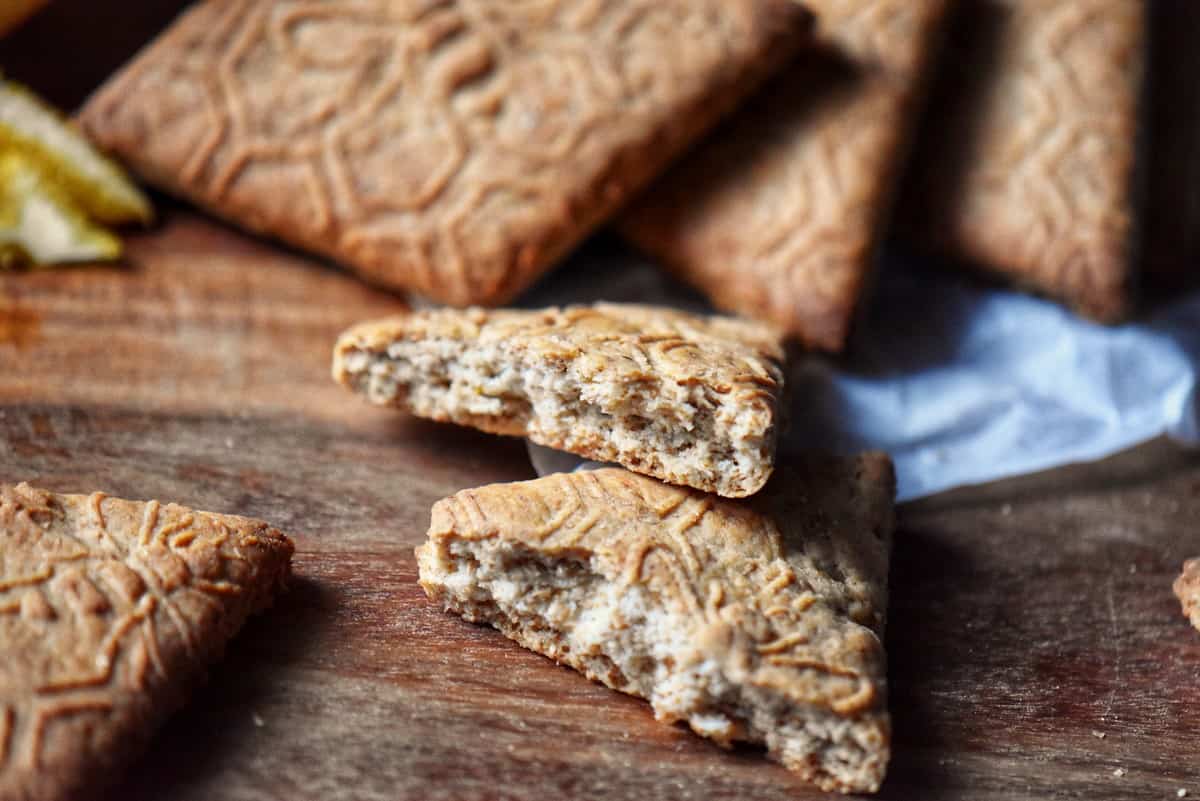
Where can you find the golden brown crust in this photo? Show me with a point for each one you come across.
(1028, 166)
(777, 216)
(687, 398)
(1187, 590)
(455, 148)
(110, 610)
(786, 592)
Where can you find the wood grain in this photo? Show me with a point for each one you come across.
(1025, 617)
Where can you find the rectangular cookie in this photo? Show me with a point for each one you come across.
(778, 214)
(686, 398)
(453, 148)
(110, 613)
(757, 621)
(1027, 166)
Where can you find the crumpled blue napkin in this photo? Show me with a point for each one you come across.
(961, 382)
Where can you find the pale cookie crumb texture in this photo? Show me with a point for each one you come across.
(110, 611)
(690, 399)
(1187, 590)
(456, 148)
(756, 621)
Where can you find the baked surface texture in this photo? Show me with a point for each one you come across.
(686, 398)
(756, 620)
(1028, 166)
(1187, 590)
(777, 216)
(110, 611)
(452, 147)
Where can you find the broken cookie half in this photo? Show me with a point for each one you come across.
(110, 611)
(689, 399)
(757, 621)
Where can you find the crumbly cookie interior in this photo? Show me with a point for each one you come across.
(623, 635)
(681, 431)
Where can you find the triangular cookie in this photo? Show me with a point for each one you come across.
(753, 620)
(454, 148)
(1187, 590)
(777, 215)
(689, 399)
(110, 610)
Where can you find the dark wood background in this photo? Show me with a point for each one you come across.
(1035, 645)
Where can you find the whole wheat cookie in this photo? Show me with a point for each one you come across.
(456, 148)
(110, 610)
(689, 399)
(1187, 590)
(1027, 167)
(754, 620)
(777, 215)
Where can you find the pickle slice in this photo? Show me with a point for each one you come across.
(39, 224)
(66, 159)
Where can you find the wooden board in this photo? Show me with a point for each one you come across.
(1028, 618)
(1035, 646)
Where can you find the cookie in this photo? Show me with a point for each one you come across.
(757, 621)
(453, 148)
(777, 216)
(1187, 590)
(1027, 167)
(689, 399)
(110, 610)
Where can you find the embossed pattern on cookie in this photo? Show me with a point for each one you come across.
(109, 611)
(1029, 168)
(690, 399)
(778, 214)
(456, 147)
(754, 620)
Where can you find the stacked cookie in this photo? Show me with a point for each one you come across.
(757, 620)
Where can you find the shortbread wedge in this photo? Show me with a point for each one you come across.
(110, 612)
(690, 399)
(755, 620)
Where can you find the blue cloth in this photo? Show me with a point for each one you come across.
(964, 383)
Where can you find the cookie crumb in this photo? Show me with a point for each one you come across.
(1099, 735)
(1119, 772)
